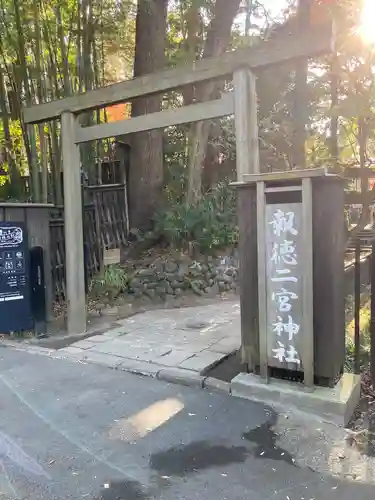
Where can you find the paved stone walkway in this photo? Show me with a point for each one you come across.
(173, 343)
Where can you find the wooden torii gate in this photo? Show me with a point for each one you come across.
(240, 64)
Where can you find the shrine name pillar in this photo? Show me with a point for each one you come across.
(292, 239)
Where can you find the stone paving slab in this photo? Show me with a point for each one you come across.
(225, 346)
(98, 339)
(84, 344)
(144, 353)
(175, 357)
(101, 359)
(177, 340)
(202, 361)
(72, 350)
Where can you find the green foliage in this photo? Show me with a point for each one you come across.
(112, 282)
(211, 224)
(365, 339)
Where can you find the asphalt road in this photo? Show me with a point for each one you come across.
(75, 431)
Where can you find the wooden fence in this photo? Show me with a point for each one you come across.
(105, 225)
(111, 209)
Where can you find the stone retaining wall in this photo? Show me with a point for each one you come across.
(173, 278)
(211, 275)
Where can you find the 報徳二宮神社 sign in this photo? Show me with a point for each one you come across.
(284, 275)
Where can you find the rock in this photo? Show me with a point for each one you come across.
(204, 268)
(170, 267)
(175, 284)
(111, 311)
(193, 271)
(198, 284)
(161, 290)
(151, 286)
(150, 293)
(214, 289)
(177, 292)
(136, 283)
(159, 268)
(144, 273)
(196, 289)
(226, 279)
(170, 290)
(183, 269)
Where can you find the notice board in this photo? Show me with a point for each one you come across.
(15, 293)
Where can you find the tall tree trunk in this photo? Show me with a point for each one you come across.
(25, 82)
(87, 150)
(63, 50)
(41, 98)
(333, 141)
(193, 38)
(146, 169)
(55, 150)
(218, 39)
(249, 12)
(14, 174)
(300, 92)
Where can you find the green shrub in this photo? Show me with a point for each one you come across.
(110, 283)
(365, 340)
(208, 225)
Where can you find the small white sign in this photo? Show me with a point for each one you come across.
(112, 256)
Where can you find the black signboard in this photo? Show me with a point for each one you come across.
(15, 303)
(38, 293)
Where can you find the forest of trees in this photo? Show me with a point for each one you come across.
(49, 50)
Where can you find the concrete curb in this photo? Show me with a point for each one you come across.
(61, 341)
(332, 405)
(181, 376)
(139, 368)
(34, 349)
(217, 385)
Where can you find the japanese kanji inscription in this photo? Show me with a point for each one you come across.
(284, 285)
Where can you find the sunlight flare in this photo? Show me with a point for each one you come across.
(367, 28)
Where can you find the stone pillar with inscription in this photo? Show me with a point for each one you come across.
(292, 285)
